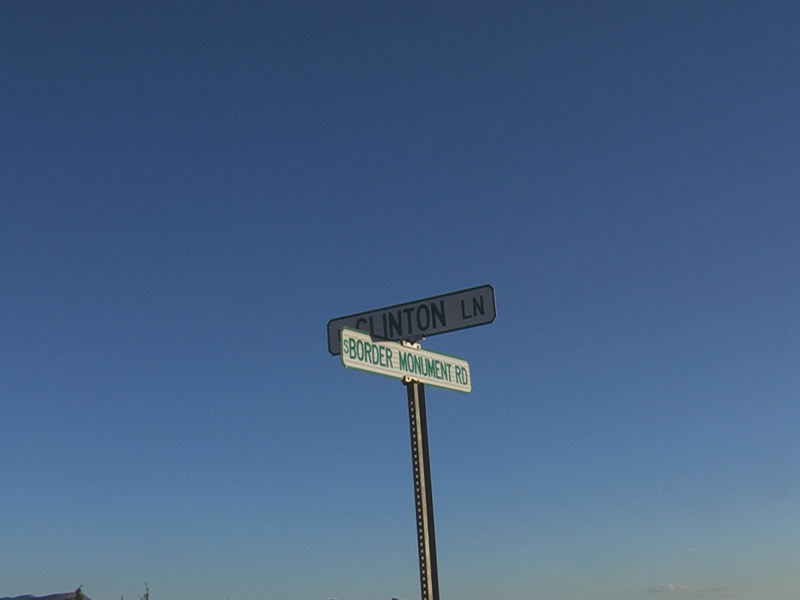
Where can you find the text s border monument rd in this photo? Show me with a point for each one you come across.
(420, 318)
(402, 360)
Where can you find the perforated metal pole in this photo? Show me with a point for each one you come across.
(423, 491)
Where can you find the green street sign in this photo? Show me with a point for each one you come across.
(359, 350)
(421, 318)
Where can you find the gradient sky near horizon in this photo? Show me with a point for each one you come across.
(190, 191)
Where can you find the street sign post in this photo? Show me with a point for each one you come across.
(382, 341)
(421, 318)
(404, 361)
(423, 491)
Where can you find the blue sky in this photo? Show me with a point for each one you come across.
(191, 191)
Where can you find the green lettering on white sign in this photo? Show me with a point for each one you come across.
(359, 350)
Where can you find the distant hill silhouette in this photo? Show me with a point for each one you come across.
(65, 596)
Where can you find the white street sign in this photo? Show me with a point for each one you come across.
(394, 359)
(421, 318)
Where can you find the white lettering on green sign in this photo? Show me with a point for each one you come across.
(421, 318)
(394, 324)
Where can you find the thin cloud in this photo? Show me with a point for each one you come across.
(669, 587)
(712, 591)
